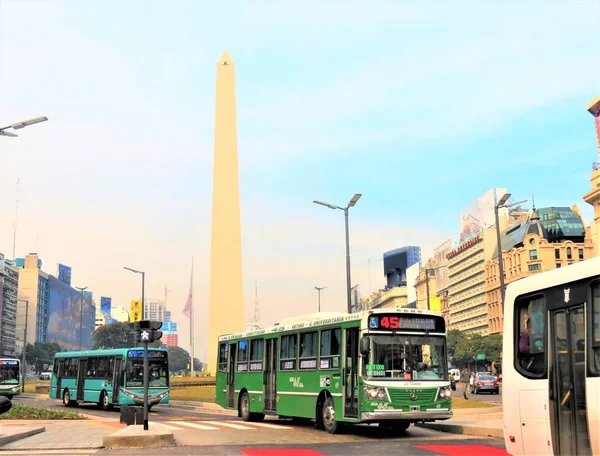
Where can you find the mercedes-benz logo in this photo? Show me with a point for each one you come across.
(413, 395)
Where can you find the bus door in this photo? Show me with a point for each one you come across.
(116, 380)
(351, 374)
(270, 375)
(567, 382)
(231, 375)
(81, 374)
(59, 372)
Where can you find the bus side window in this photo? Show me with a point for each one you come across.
(92, 367)
(223, 357)
(530, 341)
(330, 348)
(595, 339)
(288, 352)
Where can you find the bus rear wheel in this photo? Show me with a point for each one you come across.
(67, 402)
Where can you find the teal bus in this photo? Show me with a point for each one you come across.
(10, 377)
(110, 377)
(385, 366)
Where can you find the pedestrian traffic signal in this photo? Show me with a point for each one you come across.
(147, 330)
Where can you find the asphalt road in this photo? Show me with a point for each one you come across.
(487, 397)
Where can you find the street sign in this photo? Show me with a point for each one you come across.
(136, 306)
(480, 357)
(135, 316)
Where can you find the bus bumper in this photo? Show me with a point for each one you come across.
(138, 399)
(411, 416)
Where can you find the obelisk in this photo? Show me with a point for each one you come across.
(226, 298)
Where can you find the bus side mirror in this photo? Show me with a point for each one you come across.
(365, 343)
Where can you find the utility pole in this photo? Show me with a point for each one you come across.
(319, 292)
(427, 287)
(15, 224)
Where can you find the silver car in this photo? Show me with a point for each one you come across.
(487, 383)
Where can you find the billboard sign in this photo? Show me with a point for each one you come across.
(480, 214)
(105, 305)
(64, 273)
(68, 316)
(136, 313)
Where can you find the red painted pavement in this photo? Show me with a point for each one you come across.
(280, 452)
(464, 450)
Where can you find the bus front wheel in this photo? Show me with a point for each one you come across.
(104, 402)
(330, 424)
(67, 402)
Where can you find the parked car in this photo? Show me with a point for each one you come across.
(487, 383)
(45, 375)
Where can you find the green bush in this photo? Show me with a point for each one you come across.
(27, 412)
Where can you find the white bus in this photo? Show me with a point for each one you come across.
(551, 365)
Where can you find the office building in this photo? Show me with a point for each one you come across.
(154, 310)
(120, 314)
(551, 238)
(33, 288)
(593, 196)
(171, 340)
(101, 319)
(9, 288)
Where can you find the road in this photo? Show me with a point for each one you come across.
(219, 434)
(486, 397)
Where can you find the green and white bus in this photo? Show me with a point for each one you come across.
(110, 377)
(386, 366)
(10, 377)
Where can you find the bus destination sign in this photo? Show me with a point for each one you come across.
(151, 354)
(406, 323)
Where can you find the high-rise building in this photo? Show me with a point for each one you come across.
(593, 196)
(120, 314)
(33, 288)
(154, 309)
(101, 319)
(172, 340)
(9, 287)
(226, 295)
(551, 238)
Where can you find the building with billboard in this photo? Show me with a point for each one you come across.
(480, 214)
(9, 289)
(396, 262)
(534, 245)
(70, 323)
(33, 288)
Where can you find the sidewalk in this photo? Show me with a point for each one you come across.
(204, 407)
(63, 434)
(480, 422)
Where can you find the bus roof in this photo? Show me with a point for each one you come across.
(555, 277)
(323, 319)
(103, 352)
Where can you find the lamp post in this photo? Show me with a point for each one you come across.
(502, 204)
(24, 345)
(351, 203)
(19, 125)
(146, 362)
(427, 271)
(319, 292)
(143, 287)
(81, 315)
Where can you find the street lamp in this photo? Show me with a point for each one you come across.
(19, 125)
(23, 366)
(319, 292)
(427, 271)
(502, 204)
(143, 287)
(81, 315)
(351, 203)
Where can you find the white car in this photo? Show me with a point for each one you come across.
(45, 375)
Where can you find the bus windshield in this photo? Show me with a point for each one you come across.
(9, 373)
(404, 357)
(159, 376)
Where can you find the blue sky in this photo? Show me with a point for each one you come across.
(421, 107)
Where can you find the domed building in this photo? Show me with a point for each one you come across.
(551, 237)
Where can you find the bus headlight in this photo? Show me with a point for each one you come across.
(16, 388)
(372, 393)
(445, 393)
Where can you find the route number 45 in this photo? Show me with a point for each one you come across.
(389, 323)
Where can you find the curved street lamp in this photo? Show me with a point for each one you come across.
(19, 125)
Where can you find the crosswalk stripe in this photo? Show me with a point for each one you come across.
(167, 427)
(198, 426)
(61, 452)
(230, 425)
(269, 426)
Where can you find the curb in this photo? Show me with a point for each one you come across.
(477, 431)
(476, 411)
(135, 437)
(6, 439)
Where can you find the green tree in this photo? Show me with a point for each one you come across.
(453, 337)
(178, 359)
(117, 335)
(40, 354)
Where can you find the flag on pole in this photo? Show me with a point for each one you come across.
(187, 310)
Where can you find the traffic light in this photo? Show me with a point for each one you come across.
(147, 330)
